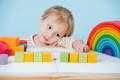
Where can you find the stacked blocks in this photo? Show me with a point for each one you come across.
(23, 43)
(73, 57)
(19, 56)
(64, 57)
(28, 57)
(47, 57)
(3, 59)
(91, 57)
(82, 57)
(13, 43)
(37, 57)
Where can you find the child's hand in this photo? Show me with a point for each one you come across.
(80, 46)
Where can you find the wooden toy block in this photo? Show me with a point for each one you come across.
(47, 57)
(82, 57)
(3, 59)
(92, 57)
(18, 48)
(11, 41)
(28, 57)
(91, 54)
(92, 60)
(19, 56)
(25, 45)
(23, 41)
(73, 57)
(4, 48)
(37, 57)
(64, 57)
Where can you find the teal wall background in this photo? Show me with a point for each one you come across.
(21, 17)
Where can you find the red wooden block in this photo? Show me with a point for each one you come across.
(4, 48)
(23, 41)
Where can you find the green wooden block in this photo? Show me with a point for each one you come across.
(82, 58)
(24, 45)
(37, 57)
(19, 56)
(64, 57)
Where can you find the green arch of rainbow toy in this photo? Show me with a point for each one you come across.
(105, 38)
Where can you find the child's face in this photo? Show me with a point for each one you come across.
(51, 31)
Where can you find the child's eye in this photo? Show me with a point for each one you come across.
(58, 35)
(49, 27)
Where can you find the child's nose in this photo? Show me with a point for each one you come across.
(50, 35)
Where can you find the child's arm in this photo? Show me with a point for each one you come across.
(77, 44)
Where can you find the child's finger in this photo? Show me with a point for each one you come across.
(85, 49)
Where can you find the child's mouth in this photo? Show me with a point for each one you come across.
(45, 38)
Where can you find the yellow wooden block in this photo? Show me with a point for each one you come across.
(73, 57)
(18, 48)
(28, 60)
(11, 41)
(47, 57)
(92, 60)
(28, 57)
(92, 55)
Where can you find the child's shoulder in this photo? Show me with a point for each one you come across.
(30, 39)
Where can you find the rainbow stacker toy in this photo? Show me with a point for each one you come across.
(105, 38)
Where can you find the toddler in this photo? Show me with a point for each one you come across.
(56, 27)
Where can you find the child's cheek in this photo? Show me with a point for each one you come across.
(42, 30)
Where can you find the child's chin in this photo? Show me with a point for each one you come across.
(46, 43)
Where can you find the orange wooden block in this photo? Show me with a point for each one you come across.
(28, 57)
(92, 57)
(47, 57)
(18, 48)
(73, 57)
(11, 41)
(15, 49)
(92, 60)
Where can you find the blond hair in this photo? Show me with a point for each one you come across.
(63, 14)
